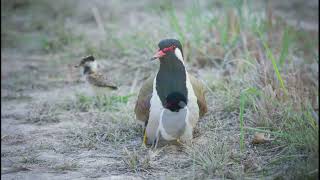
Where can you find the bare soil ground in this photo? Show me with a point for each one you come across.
(52, 127)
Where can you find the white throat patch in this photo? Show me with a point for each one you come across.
(93, 65)
(178, 53)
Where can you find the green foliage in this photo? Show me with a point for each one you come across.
(286, 41)
(274, 63)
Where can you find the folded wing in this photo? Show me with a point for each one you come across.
(101, 81)
(142, 107)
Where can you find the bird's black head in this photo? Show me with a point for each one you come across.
(89, 64)
(167, 46)
(175, 101)
(87, 59)
(165, 43)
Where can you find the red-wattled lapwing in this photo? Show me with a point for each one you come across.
(99, 83)
(170, 104)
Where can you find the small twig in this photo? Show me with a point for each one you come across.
(5, 170)
(312, 172)
(272, 149)
(113, 157)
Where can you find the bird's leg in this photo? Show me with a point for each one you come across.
(156, 141)
(144, 136)
(144, 141)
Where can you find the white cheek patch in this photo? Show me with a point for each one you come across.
(93, 65)
(178, 53)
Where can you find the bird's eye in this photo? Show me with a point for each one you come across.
(171, 48)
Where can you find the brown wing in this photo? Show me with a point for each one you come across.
(199, 90)
(142, 107)
(100, 81)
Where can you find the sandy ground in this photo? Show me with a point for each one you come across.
(42, 139)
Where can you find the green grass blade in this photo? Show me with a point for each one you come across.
(266, 131)
(274, 64)
(284, 47)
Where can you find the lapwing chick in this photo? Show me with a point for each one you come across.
(170, 104)
(97, 81)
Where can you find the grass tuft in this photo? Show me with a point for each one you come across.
(136, 162)
(212, 158)
(85, 103)
(43, 113)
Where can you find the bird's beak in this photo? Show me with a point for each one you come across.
(158, 55)
(76, 66)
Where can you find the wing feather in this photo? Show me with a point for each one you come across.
(199, 90)
(101, 81)
(142, 107)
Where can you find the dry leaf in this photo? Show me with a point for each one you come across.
(260, 138)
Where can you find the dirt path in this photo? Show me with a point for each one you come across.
(53, 128)
(42, 151)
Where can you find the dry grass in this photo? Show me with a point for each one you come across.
(261, 76)
(43, 113)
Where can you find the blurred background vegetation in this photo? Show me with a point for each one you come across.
(258, 59)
